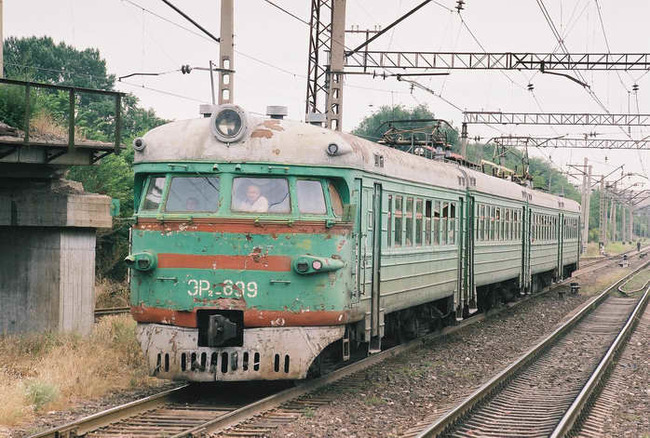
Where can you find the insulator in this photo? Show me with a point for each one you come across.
(635, 87)
(530, 87)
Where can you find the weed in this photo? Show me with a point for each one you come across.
(308, 412)
(40, 394)
(374, 401)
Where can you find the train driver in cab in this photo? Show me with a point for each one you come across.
(254, 202)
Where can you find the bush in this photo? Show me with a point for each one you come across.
(40, 393)
(12, 106)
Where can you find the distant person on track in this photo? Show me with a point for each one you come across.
(638, 246)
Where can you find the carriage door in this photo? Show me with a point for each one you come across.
(374, 242)
(559, 229)
(466, 257)
(526, 234)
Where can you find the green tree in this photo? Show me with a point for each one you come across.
(40, 59)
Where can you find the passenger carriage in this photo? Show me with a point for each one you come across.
(264, 248)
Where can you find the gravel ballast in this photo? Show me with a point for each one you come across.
(421, 385)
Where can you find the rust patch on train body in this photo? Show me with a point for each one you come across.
(256, 261)
(262, 133)
(267, 130)
(252, 317)
(245, 227)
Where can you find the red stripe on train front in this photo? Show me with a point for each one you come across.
(216, 225)
(252, 317)
(254, 262)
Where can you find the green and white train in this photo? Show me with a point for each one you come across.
(265, 248)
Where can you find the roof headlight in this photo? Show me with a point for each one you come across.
(228, 123)
(332, 149)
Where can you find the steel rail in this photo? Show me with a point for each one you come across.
(581, 404)
(447, 421)
(105, 311)
(87, 424)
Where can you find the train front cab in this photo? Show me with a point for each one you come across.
(238, 271)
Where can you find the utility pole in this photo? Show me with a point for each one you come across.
(586, 191)
(226, 53)
(623, 224)
(612, 218)
(631, 224)
(463, 140)
(602, 226)
(334, 102)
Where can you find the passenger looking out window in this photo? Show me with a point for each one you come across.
(261, 195)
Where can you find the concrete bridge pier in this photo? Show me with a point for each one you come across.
(47, 254)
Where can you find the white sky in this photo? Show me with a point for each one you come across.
(133, 40)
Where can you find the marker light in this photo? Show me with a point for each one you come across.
(316, 264)
(332, 149)
(228, 123)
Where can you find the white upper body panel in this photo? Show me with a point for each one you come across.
(295, 143)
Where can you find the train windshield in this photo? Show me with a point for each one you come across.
(261, 195)
(310, 197)
(196, 193)
(153, 198)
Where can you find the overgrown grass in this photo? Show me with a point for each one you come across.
(612, 248)
(110, 293)
(43, 372)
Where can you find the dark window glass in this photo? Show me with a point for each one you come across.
(427, 222)
(398, 220)
(196, 193)
(418, 221)
(389, 224)
(409, 222)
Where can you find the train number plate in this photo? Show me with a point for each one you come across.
(229, 288)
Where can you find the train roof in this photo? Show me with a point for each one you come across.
(297, 143)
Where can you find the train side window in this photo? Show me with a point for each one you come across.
(335, 200)
(492, 223)
(452, 224)
(153, 198)
(443, 223)
(389, 222)
(398, 220)
(436, 223)
(310, 197)
(427, 222)
(481, 222)
(409, 222)
(506, 234)
(261, 195)
(497, 223)
(193, 194)
(419, 219)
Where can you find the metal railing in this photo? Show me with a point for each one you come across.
(73, 94)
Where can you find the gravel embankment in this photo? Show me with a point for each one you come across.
(425, 383)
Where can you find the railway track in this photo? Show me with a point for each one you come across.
(194, 411)
(190, 411)
(105, 311)
(546, 391)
